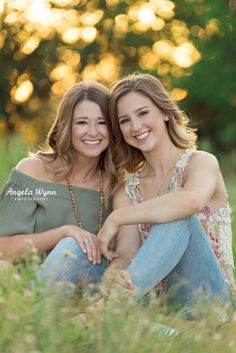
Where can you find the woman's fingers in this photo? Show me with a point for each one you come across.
(123, 279)
(113, 255)
(81, 243)
(105, 236)
(120, 283)
(104, 249)
(88, 244)
(117, 279)
(97, 251)
(126, 277)
(88, 247)
(92, 249)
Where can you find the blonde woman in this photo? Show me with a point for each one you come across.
(174, 193)
(58, 200)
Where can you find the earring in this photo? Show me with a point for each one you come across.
(166, 118)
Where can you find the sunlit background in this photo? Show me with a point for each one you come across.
(48, 45)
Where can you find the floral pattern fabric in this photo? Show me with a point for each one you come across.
(216, 222)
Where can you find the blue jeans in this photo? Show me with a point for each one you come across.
(67, 263)
(180, 251)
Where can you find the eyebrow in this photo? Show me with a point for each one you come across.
(86, 118)
(136, 111)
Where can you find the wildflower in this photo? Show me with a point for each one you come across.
(2, 301)
(68, 253)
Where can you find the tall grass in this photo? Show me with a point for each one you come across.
(33, 322)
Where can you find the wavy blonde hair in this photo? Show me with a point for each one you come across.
(128, 158)
(59, 140)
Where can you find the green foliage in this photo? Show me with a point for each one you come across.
(36, 49)
(212, 85)
(231, 187)
(12, 150)
(35, 322)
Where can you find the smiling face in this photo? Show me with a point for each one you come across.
(89, 131)
(141, 122)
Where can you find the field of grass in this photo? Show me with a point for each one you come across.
(32, 322)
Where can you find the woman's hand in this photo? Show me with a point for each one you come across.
(105, 236)
(115, 278)
(87, 241)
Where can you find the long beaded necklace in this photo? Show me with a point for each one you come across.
(75, 206)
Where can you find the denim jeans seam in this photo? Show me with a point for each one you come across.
(77, 261)
(188, 228)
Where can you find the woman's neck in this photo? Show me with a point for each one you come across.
(159, 162)
(84, 170)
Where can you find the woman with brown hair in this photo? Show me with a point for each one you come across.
(57, 201)
(173, 192)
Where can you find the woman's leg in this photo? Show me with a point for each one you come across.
(181, 251)
(67, 263)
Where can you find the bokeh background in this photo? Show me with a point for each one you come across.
(48, 45)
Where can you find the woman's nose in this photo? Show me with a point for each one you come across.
(136, 125)
(92, 130)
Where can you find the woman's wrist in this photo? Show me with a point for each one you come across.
(62, 232)
(116, 218)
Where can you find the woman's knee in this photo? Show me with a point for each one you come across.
(65, 257)
(68, 247)
(171, 231)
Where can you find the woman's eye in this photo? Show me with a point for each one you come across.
(81, 122)
(123, 121)
(102, 122)
(143, 112)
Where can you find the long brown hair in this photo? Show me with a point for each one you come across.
(59, 138)
(129, 158)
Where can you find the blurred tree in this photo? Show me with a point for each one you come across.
(48, 45)
(212, 86)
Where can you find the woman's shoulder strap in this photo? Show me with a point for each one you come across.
(132, 188)
(184, 159)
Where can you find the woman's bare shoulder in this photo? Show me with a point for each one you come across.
(202, 157)
(33, 167)
(120, 198)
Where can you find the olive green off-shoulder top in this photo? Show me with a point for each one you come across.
(28, 205)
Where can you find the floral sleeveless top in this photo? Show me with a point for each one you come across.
(216, 222)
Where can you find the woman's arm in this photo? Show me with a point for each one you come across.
(200, 186)
(128, 243)
(16, 246)
(201, 180)
(128, 240)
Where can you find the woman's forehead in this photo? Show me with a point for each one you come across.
(133, 99)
